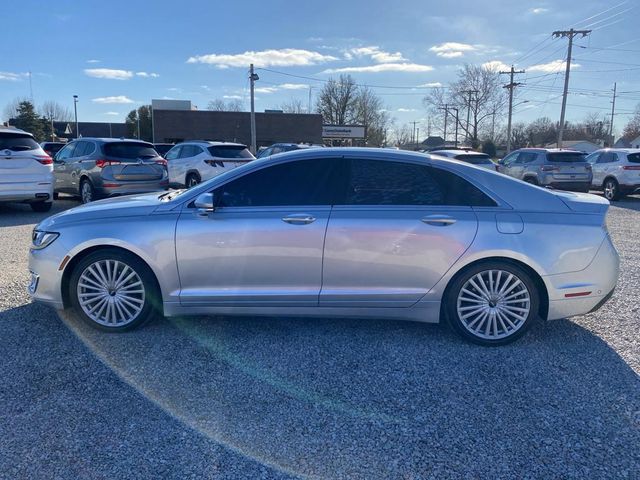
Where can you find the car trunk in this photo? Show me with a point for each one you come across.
(584, 202)
(569, 166)
(22, 160)
(132, 162)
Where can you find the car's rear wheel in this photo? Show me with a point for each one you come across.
(611, 189)
(531, 180)
(87, 192)
(492, 303)
(192, 180)
(113, 291)
(41, 206)
(56, 195)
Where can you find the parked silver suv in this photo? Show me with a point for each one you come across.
(549, 167)
(616, 171)
(106, 167)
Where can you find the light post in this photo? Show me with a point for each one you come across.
(75, 110)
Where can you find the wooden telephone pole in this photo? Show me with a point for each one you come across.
(511, 85)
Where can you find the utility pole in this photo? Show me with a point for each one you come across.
(413, 132)
(613, 112)
(138, 121)
(468, 92)
(569, 34)
(446, 111)
(252, 80)
(75, 110)
(417, 137)
(455, 142)
(309, 106)
(511, 85)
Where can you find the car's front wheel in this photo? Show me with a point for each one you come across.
(611, 189)
(113, 291)
(492, 303)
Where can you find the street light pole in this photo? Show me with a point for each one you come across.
(138, 121)
(252, 80)
(75, 110)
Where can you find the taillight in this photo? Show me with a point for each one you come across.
(106, 163)
(162, 162)
(43, 159)
(214, 163)
(631, 167)
(549, 168)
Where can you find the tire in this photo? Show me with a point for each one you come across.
(106, 305)
(56, 195)
(41, 206)
(87, 192)
(192, 180)
(531, 180)
(611, 189)
(487, 319)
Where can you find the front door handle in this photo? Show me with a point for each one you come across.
(438, 220)
(299, 219)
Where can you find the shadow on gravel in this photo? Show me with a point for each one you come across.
(16, 214)
(370, 399)
(630, 203)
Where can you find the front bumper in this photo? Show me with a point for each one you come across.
(599, 279)
(45, 285)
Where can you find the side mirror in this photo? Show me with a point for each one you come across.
(205, 203)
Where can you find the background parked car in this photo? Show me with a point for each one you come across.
(283, 147)
(26, 171)
(475, 158)
(616, 171)
(193, 162)
(103, 167)
(549, 167)
(51, 148)
(163, 148)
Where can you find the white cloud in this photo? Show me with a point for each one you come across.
(112, 114)
(232, 97)
(293, 86)
(93, 60)
(552, 67)
(146, 75)
(430, 85)
(383, 67)
(496, 65)
(114, 99)
(452, 49)
(12, 77)
(406, 110)
(376, 54)
(266, 90)
(538, 10)
(285, 57)
(108, 73)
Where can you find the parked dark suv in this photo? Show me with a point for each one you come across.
(549, 167)
(103, 167)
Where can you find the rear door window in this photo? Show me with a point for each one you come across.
(607, 157)
(634, 157)
(17, 142)
(231, 151)
(526, 157)
(129, 151)
(566, 157)
(188, 151)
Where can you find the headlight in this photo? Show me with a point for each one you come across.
(40, 239)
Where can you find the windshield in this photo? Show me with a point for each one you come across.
(566, 157)
(17, 142)
(129, 150)
(231, 151)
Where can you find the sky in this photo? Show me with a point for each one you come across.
(117, 55)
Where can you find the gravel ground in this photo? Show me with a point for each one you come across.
(286, 397)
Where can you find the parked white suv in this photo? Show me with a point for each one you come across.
(190, 163)
(26, 171)
(616, 171)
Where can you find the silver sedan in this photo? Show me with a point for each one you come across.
(334, 232)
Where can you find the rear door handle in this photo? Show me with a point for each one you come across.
(299, 219)
(438, 220)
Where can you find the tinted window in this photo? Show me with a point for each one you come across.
(66, 152)
(83, 149)
(129, 150)
(188, 151)
(304, 182)
(592, 158)
(510, 158)
(634, 157)
(174, 153)
(375, 182)
(162, 148)
(17, 142)
(52, 148)
(527, 157)
(475, 159)
(265, 153)
(607, 157)
(232, 151)
(566, 157)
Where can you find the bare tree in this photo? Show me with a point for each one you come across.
(235, 105)
(217, 105)
(293, 105)
(541, 132)
(402, 134)
(370, 112)
(477, 93)
(632, 128)
(337, 99)
(12, 109)
(52, 110)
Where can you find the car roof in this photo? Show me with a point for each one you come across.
(13, 130)
(285, 144)
(621, 150)
(112, 140)
(457, 152)
(212, 143)
(550, 150)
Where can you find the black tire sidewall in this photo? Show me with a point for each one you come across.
(460, 279)
(93, 191)
(616, 193)
(152, 296)
(192, 176)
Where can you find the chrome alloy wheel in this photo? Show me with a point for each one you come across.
(610, 190)
(111, 293)
(493, 304)
(86, 192)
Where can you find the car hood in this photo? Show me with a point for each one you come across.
(126, 206)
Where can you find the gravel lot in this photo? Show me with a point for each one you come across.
(286, 397)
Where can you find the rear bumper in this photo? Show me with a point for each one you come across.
(579, 186)
(598, 279)
(26, 192)
(115, 188)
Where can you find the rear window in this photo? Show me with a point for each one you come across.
(17, 142)
(479, 159)
(634, 157)
(129, 150)
(566, 157)
(238, 151)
